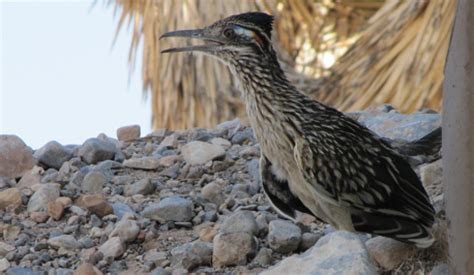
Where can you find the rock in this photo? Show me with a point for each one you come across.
(128, 133)
(198, 152)
(64, 241)
(440, 269)
(233, 249)
(61, 271)
(95, 150)
(127, 229)
(432, 173)
(159, 258)
(240, 221)
(65, 201)
(18, 270)
(264, 257)
(262, 225)
(114, 248)
(229, 125)
(283, 236)
(339, 252)
(170, 141)
(244, 136)
(39, 217)
(308, 239)
(207, 234)
(213, 192)
(53, 155)
(55, 210)
(191, 255)
(400, 126)
(143, 186)
(120, 209)
(145, 163)
(40, 199)
(5, 249)
(10, 232)
(168, 161)
(175, 209)
(10, 198)
(160, 271)
(31, 178)
(224, 143)
(96, 204)
(93, 182)
(388, 253)
(4, 265)
(15, 157)
(87, 269)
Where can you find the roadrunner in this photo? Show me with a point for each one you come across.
(314, 158)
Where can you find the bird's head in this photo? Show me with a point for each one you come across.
(244, 34)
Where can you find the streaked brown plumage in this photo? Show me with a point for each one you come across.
(314, 158)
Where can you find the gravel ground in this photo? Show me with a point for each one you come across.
(177, 202)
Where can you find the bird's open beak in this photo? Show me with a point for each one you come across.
(196, 34)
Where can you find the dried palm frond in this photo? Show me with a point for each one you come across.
(189, 91)
(398, 59)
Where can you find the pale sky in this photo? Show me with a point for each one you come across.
(60, 77)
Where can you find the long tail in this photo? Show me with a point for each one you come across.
(428, 146)
(395, 227)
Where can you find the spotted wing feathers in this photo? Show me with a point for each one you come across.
(353, 167)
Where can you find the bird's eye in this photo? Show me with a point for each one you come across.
(229, 33)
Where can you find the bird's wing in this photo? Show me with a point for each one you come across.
(278, 192)
(356, 169)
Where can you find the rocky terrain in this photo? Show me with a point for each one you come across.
(174, 202)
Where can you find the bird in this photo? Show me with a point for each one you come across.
(314, 158)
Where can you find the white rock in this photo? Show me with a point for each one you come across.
(114, 247)
(224, 143)
(5, 248)
(40, 199)
(31, 177)
(127, 229)
(198, 152)
(339, 252)
(65, 241)
(431, 173)
(145, 163)
(4, 265)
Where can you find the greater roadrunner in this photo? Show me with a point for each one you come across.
(314, 158)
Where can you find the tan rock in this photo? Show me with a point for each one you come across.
(389, 253)
(15, 157)
(128, 133)
(87, 269)
(167, 161)
(11, 232)
(233, 249)
(10, 198)
(55, 210)
(207, 234)
(39, 216)
(65, 201)
(96, 204)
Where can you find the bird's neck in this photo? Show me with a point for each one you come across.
(262, 78)
(269, 97)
